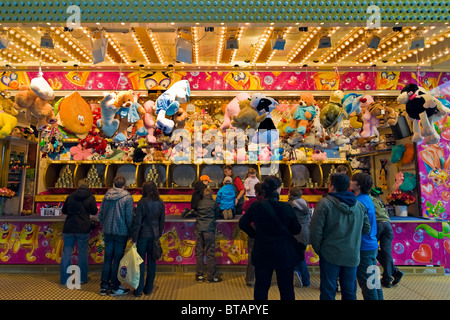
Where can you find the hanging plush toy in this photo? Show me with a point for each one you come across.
(75, 115)
(7, 115)
(383, 173)
(352, 106)
(108, 124)
(247, 117)
(130, 113)
(168, 104)
(421, 105)
(149, 121)
(35, 107)
(333, 112)
(267, 132)
(232, 109)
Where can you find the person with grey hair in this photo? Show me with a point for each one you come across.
(116, 217)
(78, 207)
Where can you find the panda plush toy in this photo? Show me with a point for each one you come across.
(422, 106)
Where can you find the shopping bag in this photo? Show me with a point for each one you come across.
(129, 271)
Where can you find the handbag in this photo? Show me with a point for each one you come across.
(157, 249)
(298, 246)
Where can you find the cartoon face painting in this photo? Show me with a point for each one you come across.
(243, 80)
(326, 80)
(154, 80)
(387, 80)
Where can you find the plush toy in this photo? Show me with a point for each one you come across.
(264, 154)
(267, 132)
(352, 106)
(41, 88)
(318, 156)
(80, 153)
(149, 121)
(247, 117)
(333, 112)
(75, 115)
(6, 103)
(408, 155)
(370, 122)
(180, 118)
(129, 112)
(399, 178)
(421, 105)
(35, 107)
(95, 142)
(108, 124)
(303, 114)
(168, 104)
(7, 124)
(232, 109)
(409, 182)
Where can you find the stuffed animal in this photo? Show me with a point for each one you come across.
(80, 153)
(180, 118)
(370, 122)
(6, 103)
(303, 114)
(41, 88)
(108, 124)
(75, 115)
(421, 105)
(318, 156)
(232, 109)
(130, 112)
(168, 104)
(352, 106)
(7, 123)
(409, 182)
(408, 155)
(35, 107)
(267, 132)
(247, 117)
(333, 112)
(149, 121)
(95, 142)
(399, 178)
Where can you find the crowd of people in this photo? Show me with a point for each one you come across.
(349, 231)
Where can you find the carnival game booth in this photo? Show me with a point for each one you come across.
(174, 124)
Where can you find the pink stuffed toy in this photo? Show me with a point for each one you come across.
(399, 178)
(149, 121)
(264, 154)
(80, 153)
(318, 156)
(233, 109)
(370, 122)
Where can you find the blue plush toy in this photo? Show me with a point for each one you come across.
(108, 123)
(351, 103)
(169, 103)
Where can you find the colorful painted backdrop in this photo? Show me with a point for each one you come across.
(234, 80)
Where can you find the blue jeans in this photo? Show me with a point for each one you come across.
(82, 240)
(114, 251)
(144, 247)
(329, 274)
(367, 279)
(302, 271)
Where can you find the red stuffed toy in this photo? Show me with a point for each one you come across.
(95, 142)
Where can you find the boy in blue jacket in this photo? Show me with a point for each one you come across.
(226, 198)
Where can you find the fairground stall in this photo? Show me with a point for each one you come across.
(170, 91)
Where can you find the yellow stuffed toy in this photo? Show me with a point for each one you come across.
(8, 121)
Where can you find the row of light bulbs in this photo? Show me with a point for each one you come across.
(261, 43)
(140, 46)
(301, 45)
(350, 43)
(194, 32)
(221, 45)
(156, 46)
(238, 37)
(272, 53)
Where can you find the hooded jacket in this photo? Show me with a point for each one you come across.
(116, 212)
(207, 214)
(336, 228)
(226, 197)
(78, 207)
(199, 187)
(301, 210)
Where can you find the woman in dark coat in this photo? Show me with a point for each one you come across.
(78, 207)
(148, 225)
(273, 248)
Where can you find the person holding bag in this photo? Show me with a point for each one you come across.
(147, 229)
(275, 224)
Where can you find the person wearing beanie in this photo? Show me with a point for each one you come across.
(360, 184)
(336, 227)
(272, 224)
(391, 274)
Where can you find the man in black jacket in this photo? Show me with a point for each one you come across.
(78, 207)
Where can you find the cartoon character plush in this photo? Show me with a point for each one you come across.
(421, 105)
(377, 116)
(34, 106)
(370, 122)
(232, 109)
(75, 115)
(352, 106)
(129, 112)
(168, 104)
(333, 112)
(303, 114)
(108, 123)
(267, 132)
(247, 117)
(149, 121)
(180, 118)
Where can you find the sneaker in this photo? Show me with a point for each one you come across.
(215, 279)
(103, 291)
(397, 277)
(137, 294)
(119, 292)
(385, 283)
(199, 278)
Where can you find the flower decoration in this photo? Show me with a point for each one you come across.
(5, 192)
(399, 198)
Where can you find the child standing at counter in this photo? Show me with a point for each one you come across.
(226, 198)
(249, 183)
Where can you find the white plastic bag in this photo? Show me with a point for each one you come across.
(129, 267)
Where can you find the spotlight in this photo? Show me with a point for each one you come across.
(324, 42)
(46, 41)
(417, 43)
(232, 43)
(99, 46)
(209, 29)
(278, 44)
(303, 29)
(4, 40)
(183, 49)
(397, 29)
(373, 42)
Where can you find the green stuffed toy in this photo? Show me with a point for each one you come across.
(409, 182)
(397, 153)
